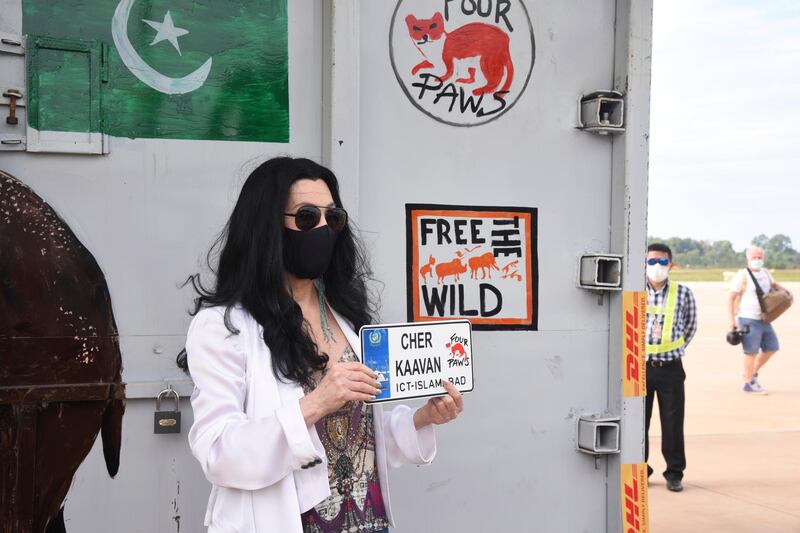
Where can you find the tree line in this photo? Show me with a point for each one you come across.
(691, 253)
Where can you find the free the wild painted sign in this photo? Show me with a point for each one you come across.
(478, 263)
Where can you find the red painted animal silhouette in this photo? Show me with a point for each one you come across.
(475, 39)
(427, 270)
(485, 263)
(452, 268)
(510, 271)
(461, 254)
(456, 350)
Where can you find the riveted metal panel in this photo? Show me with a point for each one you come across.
(150, 208)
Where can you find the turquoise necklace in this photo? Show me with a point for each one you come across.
(327, 332)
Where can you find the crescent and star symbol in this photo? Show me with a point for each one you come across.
(166, 31)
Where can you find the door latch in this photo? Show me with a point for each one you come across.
(13, 95)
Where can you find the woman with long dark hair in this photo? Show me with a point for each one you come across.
(280, 428)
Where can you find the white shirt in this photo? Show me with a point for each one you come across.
(749, 306)
(250, 437)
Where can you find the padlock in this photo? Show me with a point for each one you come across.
(167, 421)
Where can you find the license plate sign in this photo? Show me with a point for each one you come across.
(412, 359)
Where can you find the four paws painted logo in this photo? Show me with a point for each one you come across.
(462, 62)
(457, 351)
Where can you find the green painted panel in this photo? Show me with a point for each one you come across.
(63, 84)
(66, 105)
(232, 56)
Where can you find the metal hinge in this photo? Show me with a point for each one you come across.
(12, 44)
(12, 143)
(104, 51)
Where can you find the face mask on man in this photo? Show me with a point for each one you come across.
(657, 273)
(307, 254)
(756, 264)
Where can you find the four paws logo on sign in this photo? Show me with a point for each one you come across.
(457, 354)
(462, 62)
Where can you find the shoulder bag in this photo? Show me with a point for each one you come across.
(774, 303)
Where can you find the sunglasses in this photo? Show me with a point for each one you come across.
(307, 217)
(663, 261)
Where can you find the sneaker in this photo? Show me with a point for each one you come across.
(755, 377)
(754, 388)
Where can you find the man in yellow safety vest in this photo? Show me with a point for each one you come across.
(671, 324)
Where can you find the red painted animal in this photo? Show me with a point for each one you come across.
(456, 349)
(452, 268)
(427, 270)
(475, 39)
(484, 263)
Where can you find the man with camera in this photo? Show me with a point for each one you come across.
(756, 331)
(671, 324)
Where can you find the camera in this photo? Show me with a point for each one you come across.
(735, 337)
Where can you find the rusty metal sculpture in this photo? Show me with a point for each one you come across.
(60, 362)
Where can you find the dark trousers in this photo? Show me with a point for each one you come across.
(666, 382)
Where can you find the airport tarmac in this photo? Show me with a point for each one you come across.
(742, 450)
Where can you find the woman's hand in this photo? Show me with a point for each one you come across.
(442, 409)
(344, 382)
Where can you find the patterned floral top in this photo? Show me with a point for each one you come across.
(355, 504)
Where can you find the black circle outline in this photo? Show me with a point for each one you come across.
(437, 119)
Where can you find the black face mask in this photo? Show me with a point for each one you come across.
(307, 254)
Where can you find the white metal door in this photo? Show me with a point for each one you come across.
(509, 464)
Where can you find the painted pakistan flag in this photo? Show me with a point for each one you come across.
(170, 69)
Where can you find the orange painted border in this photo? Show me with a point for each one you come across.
(528, 227)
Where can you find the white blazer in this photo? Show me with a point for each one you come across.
(252, 441)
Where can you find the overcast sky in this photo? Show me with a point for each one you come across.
(725, 120)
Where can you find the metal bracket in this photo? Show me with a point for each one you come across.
(11, 43)
(601, 112)
(12, 143)
(597, 434)
(13, 112)
(600, 272)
